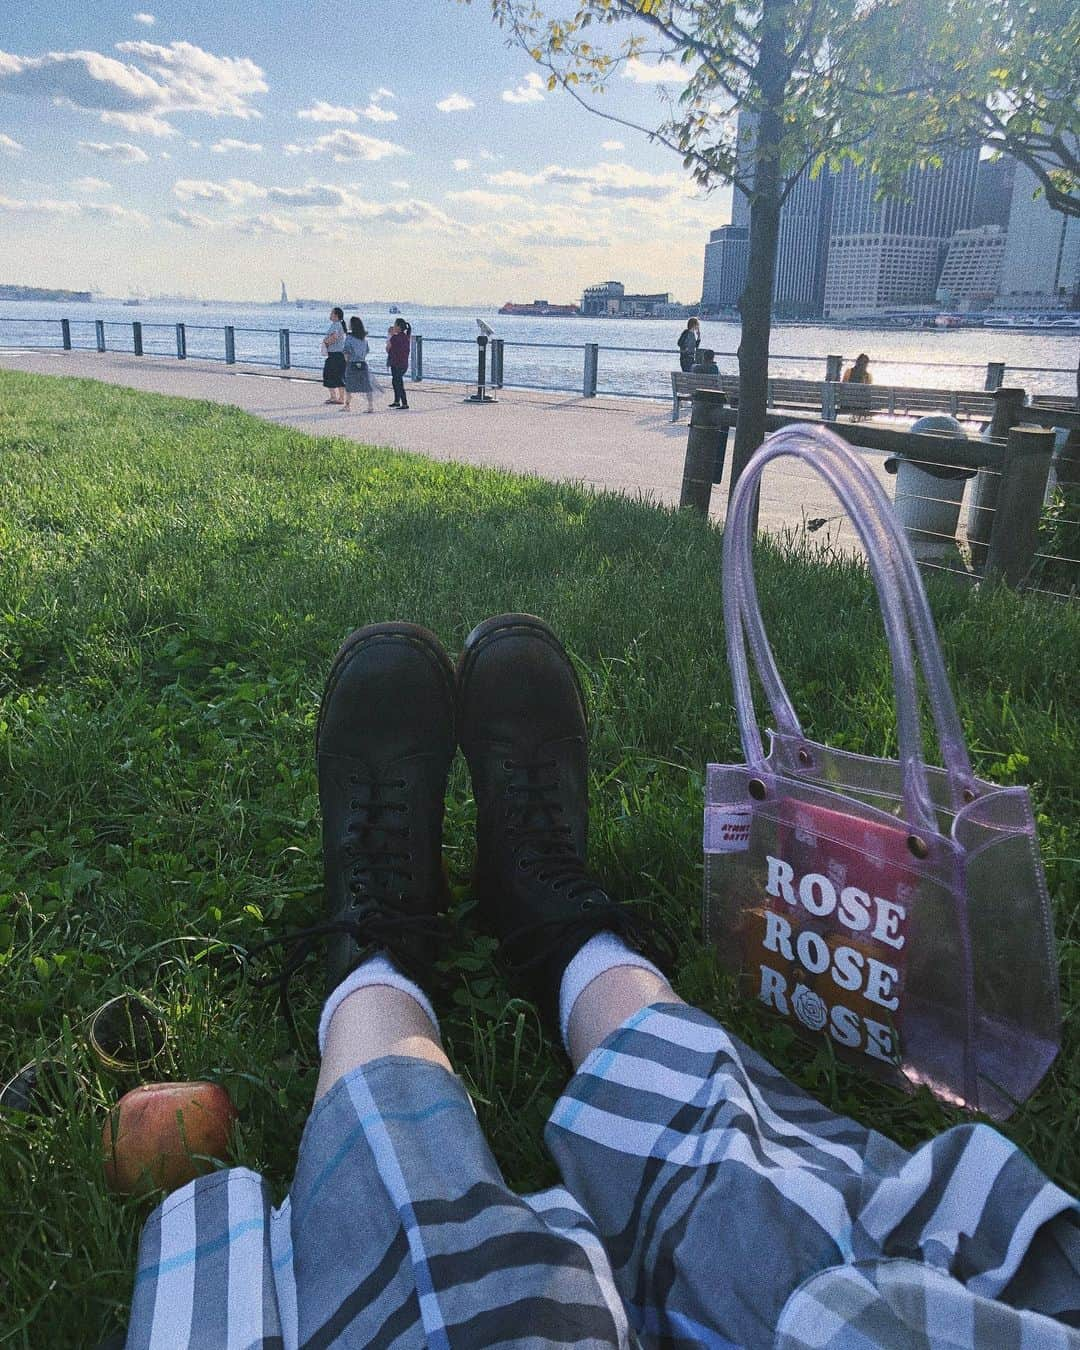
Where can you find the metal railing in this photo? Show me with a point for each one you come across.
(578, 372)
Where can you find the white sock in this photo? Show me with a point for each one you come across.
(603, 952)
(376, 970)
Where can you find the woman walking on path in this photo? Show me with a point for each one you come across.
(357, 372)
(398, 352)
(333, 345)
(689, 342)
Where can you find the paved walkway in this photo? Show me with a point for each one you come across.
(625, 445)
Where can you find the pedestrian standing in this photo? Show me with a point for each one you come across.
(689, 342)
(397, 349)
(333, 345)
(357, 371)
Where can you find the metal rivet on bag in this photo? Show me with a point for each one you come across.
(968, 795)
(918, 847)
(756, 789)
(805, 758)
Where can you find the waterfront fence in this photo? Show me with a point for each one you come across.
(589, 369)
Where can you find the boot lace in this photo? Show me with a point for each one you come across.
(378, 857)
(545, 848)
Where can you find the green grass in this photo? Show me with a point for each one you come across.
(174, 580)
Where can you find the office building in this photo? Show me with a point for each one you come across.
(609, 299)
(993, 192)
(885, 252)
(802, 247)
(1041, 266)
(727, 255)
(972, 270)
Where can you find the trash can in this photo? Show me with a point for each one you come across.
(927, 498)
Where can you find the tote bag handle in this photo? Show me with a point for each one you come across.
(902, 599)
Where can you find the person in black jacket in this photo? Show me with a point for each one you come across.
(689, 342)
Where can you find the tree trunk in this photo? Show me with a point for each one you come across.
(755, 306)
(771, 75)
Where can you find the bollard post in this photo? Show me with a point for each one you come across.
(283, 348)
(230, 345)
(417, 359)
(1014, 536)
(705, 443)
(99, 333)
(65, 334)
(497, 362)
(995, 375)
(481, 395)
(984, 490)
(592, 361)
(136, 338)
(181, 342)
(828, 401)
(832, 367)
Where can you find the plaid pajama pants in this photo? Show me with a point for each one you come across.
(706, 1202)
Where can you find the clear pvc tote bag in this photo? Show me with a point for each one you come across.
(897, 908)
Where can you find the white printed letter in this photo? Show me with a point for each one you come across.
(889, 918)
(773, 985)
(844, 1025)
(817, 893)
(847, 968)
(778, 883)
(880, 1042)
(813, 951)
(854, 909)
(778, 935)
(879, 980)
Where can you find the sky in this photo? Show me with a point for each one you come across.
(368, 150)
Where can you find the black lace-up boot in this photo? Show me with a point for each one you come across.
(521, 724)
(383, 746)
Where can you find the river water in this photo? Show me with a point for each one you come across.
(636, 355)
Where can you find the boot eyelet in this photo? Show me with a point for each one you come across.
(523, 864)
(508, 765)
(587, 903)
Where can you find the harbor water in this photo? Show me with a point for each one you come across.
(636, 356)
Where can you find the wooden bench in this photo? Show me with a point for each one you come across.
(683, 384)
(834, 397)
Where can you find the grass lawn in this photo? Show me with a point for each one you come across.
(174, 580)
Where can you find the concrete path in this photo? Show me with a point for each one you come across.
(625, 445)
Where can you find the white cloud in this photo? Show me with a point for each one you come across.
(180, 77)
(89, 184)
(462, 165)
(486, 154)
(402, 184)
(123, 151)
(382, 93)
(375, 112)
(223, 147)
(9, 146)
(612, 145)
(191, 220)
(600, 180)
(234, 190)
(659, 72)
(139, 124)
(530, 90)
(147, 20)
(346, 145)
(48, 205)
(52, 207)
(487, 201)
(455, 103)
(111, 211)
(321, 111)
(311, 194)
(195, 145)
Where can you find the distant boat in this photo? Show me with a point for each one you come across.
(132, 302)
(394, 309)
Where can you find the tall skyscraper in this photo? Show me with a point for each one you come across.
(1041, 269)
(993, 192)
(803, 244)
(726, 257)
(889, 252)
